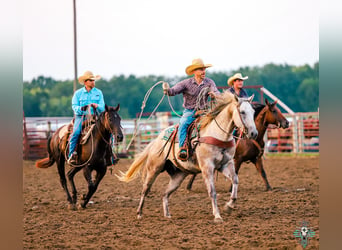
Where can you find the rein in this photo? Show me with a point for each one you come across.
(91, 155)
(110, 129)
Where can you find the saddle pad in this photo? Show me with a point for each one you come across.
(169, 130)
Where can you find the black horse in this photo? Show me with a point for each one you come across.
(91, 154)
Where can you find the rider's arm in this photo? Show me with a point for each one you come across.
(76, 105)
(178, 88)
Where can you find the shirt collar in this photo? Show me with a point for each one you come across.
(194, 80)
(85, 90)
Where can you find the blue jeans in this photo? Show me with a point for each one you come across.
(186, 119)
(76, 133)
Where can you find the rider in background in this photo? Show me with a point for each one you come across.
(236, 85)
(190, 88)
(88, 95)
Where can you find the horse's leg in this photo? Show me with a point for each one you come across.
(92, 186)
(229, 172)
(260, 167)
(208, 177)
(237, 165)
(62, 178)
(153, 168)
(71, 175)
(176, 179)
(192, 179)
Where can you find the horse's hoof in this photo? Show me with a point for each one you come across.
(80, 207)
(139, 217)
(229, 208)
(168, 216)
(268, 189)
(72, 207)
(218, 220)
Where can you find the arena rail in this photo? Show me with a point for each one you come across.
(302, 136)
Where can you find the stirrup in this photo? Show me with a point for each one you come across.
(72, 158)
(183, 154)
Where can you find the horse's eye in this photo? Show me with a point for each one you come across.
(243, 112)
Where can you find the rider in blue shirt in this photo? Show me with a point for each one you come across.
(88, 95)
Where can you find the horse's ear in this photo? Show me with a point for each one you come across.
(250, 99)
(106, 107)
(266, 101)
(117, 108)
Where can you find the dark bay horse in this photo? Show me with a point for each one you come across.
(91, 154)
(253, 150)
(214, 151)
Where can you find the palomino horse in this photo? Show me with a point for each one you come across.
(252, 150)
(214, 151)
(91, 154)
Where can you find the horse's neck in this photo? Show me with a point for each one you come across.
(101, 131)
(260, 126)
(224, 121)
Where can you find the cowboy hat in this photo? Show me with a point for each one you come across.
(88, 75)
(196, 64)
(234, 77)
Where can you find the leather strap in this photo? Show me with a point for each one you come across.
(217, 142)
(261, 150)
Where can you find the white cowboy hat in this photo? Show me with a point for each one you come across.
(196, 64)
(88, 75)
(234, 77)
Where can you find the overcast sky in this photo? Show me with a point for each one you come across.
(158, 37)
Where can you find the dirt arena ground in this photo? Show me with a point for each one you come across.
(263, 220)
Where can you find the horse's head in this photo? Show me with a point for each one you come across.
(243, 116)
(113, 122)
(274, 116)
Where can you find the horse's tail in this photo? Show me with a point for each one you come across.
(136, 166)
(48, 161)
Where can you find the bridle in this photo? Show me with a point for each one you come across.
(243, 124)
(106, 125)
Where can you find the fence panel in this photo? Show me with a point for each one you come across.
(302, 136)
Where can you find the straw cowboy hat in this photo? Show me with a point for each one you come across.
(196, 64)
(88, 75)
(234, 77)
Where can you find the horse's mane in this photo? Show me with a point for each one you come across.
(257, 108)
(222, 101)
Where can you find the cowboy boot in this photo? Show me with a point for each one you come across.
(183, 154)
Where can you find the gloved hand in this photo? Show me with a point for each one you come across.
(84, 108)
(166, 87)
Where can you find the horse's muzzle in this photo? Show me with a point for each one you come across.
(119, 138)
(253, 134)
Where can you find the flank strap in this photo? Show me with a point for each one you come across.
(217, 142)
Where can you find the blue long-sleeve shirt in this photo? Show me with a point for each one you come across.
(82, 97)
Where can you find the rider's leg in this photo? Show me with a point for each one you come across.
(74, 137)
(186, 119)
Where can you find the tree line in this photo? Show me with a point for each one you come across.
(296, 86)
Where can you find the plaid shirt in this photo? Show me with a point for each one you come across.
(191, 90)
